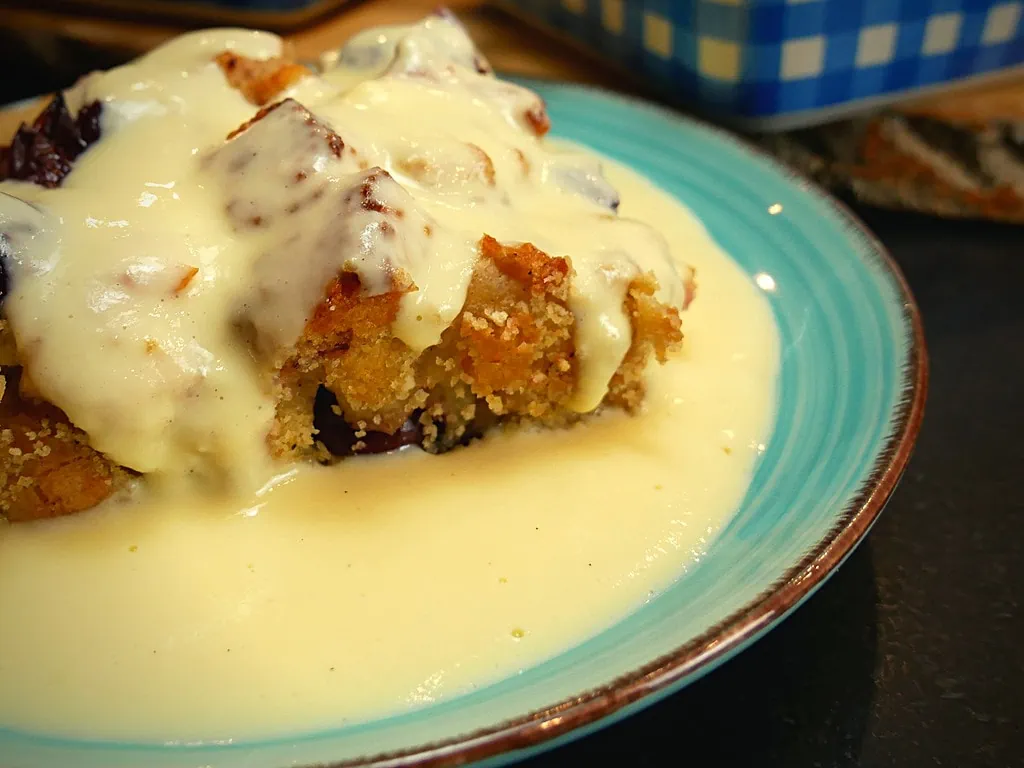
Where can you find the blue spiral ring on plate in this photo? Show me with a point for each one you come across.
(851, 393)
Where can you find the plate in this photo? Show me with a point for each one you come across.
(852, 388)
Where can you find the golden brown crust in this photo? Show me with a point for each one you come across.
(529, 266)
(656, 333)
(260, 81)
(514, 343)
(508, 356)
(47, 468)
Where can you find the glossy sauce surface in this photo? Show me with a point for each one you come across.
(395, 581)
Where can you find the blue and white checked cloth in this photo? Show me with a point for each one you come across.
(763, 60)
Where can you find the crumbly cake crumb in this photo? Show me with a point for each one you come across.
(509, 356)
(47, 468)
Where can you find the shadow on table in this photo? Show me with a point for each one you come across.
(798, 697)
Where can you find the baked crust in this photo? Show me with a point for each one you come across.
(260, 81)
(509, 357)
(47, 468)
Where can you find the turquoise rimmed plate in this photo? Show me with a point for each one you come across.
(851, 397)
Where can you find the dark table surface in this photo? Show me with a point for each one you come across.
(913, 653)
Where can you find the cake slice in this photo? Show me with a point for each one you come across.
(341, 246)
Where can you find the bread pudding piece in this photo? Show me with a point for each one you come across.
(356, 342)
(47, 468)
(346, 241)
(509, 357)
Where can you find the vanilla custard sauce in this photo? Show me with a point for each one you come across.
(394, 581)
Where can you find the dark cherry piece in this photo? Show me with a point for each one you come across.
(339, 437)
(88, 121)
(44, 152)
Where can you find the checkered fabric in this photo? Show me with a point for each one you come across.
(766, 58)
